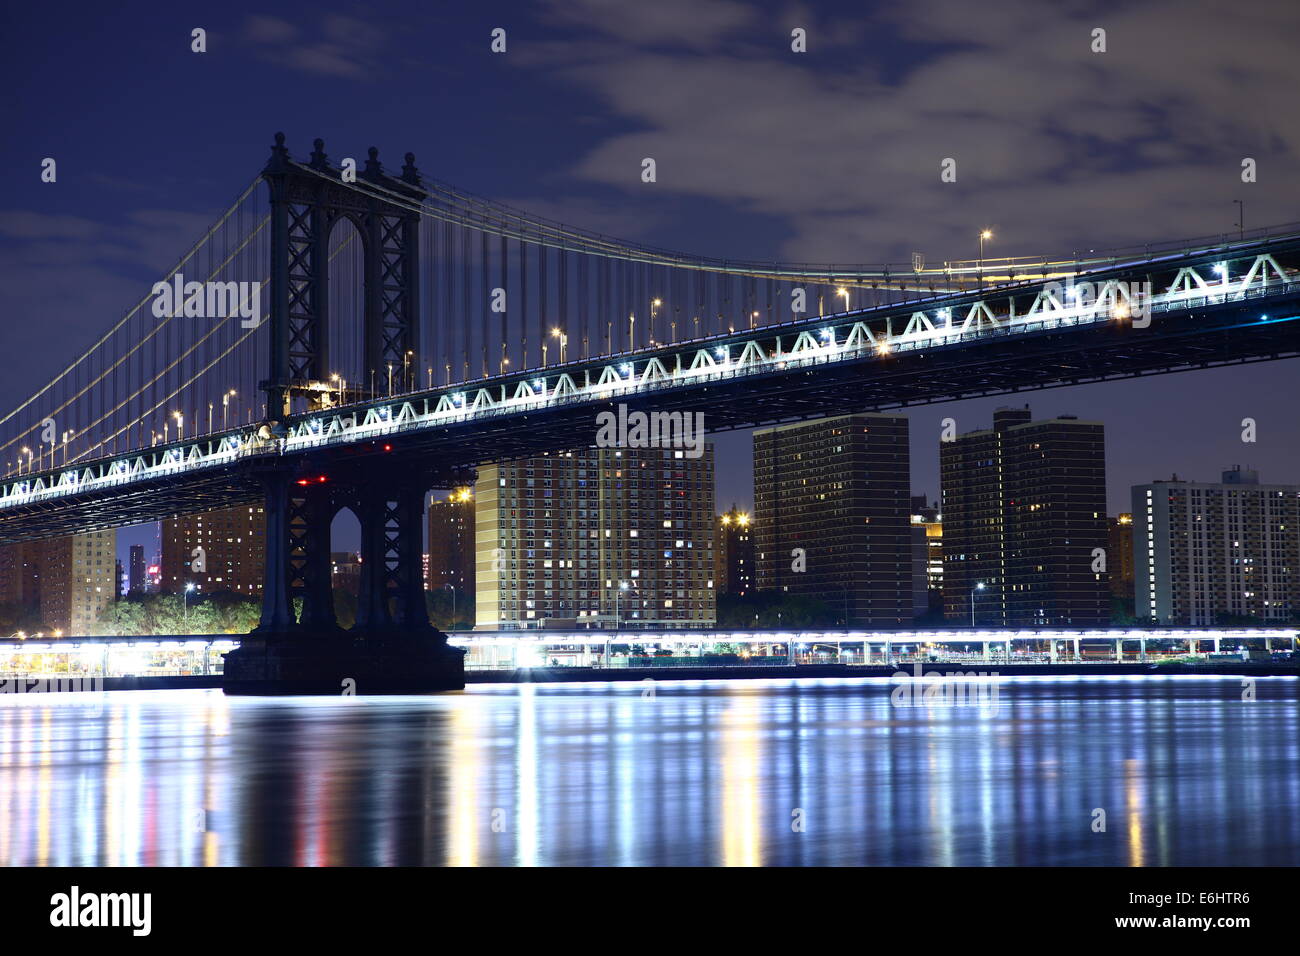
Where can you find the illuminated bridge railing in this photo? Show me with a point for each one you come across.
(800, 345)
(201, 655)
(790, 347)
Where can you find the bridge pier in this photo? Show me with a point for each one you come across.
(277, 611)
(392, 648)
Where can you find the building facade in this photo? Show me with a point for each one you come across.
(76, 580)
(451, 542)
(1207, 553)
(1119, 557)
(733, 553)
(136, 579)
(19, 582)
(221, 550)
(1024, 522)
(345, 572)
(832, 515)
(928, 521)
(600, 537)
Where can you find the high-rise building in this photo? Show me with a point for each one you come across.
(1119, 557)
(76, 580)
(733, 553)
(1207, 552)
(136, 579)
(599, 537)
(221, 550)
(832, 515)
(1024, 514)
(19, 580)
(451, 542)
(928, 522)
(345, 571)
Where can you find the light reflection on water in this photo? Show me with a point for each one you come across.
(700, 772)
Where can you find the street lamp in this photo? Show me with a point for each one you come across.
(845, 293)
(180, 425)
(977, 587)
(654, 304)
(185, 602)
(453, 604)
(225, 404)
(622, 586)
(984, 234)
(564, 342)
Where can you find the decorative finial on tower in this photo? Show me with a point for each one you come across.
(409, 173)
(279, 154)
(318, 158)
(373, 169)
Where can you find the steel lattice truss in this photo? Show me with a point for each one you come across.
(1207, 308)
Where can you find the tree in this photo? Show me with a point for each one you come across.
(122, 619)
(774, 609)
(440, 604)
(141, 615)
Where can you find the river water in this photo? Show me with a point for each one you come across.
(1143, 771)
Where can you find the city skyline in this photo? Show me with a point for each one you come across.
(649, 433)
(165, 188)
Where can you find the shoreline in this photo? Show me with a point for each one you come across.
(590, 675)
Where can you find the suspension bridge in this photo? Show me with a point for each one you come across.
(376, 333)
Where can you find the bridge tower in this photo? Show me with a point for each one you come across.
(307, 202)
(392, 647)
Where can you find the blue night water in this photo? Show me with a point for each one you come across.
(776, 772)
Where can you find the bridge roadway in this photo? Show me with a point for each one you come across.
(1226, 305)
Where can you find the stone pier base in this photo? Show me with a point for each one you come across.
(344, 663)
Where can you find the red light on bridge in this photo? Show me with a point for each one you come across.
(388, 448)
(321, 479)
(303, 481)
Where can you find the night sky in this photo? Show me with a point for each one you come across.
(831, 155)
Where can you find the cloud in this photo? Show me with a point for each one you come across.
(343, 46)
(681, 23)
(1055, 145)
